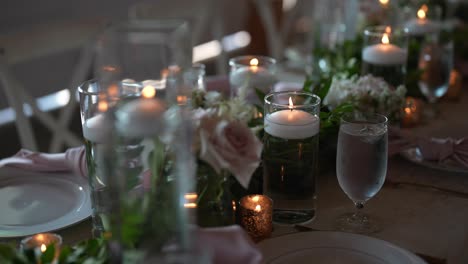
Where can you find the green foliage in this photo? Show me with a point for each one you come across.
(89, 251)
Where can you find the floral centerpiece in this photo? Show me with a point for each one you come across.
(225, 146)
(367, 93)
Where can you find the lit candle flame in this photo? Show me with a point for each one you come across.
(388, 29)
(191, 196)
(291, 105)
(256, 198)
(148, 91)
(384, 2)
(103, 106)
(181, 99)
(43, 248)
(113, 90)
(190, 205)
(385, 39)
(254, 64)
(258, 208)
(422, 12)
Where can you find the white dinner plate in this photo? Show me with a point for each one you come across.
(321, 247)
(414, 155)
(32, 202)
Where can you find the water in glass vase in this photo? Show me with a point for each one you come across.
(99, 191)
(394, 74)
(361, 160)
(290, 170)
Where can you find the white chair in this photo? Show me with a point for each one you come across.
(37, 42)
(204, 17)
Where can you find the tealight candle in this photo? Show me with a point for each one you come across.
(384, 53)
(40, 242)
(249, 73)
(411, 112)
(256, 216)
(421, 25)
(141, 117)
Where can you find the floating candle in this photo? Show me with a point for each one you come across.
(421, 25)
(245, 78)
(384, 53)
(292, 123)
(141, 117)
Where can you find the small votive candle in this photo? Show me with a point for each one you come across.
(256, 216)
(411, 113)
(40, 242)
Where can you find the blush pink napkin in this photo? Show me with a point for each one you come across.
(444, 150)
(73, 160)
(229, 245)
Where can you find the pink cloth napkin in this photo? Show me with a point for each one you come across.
(73, 160)
(443, 150)
(229, 244)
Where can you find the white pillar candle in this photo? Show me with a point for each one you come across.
(141, 117)
(384, 53)
(292, 124)
(421, 25)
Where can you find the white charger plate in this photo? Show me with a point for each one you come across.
(32, 202)
(321, 247)
(415, 155)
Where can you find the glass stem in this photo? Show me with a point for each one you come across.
(358, 214)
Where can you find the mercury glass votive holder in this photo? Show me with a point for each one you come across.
(385, 53)
(256, 216)
(249, 73)
(40, 242)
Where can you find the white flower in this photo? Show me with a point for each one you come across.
(368, 93)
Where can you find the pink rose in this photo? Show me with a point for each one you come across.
(229, 145)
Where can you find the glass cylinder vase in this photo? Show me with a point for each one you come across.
(385, 54)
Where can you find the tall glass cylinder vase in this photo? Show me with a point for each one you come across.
(385, 53)
(290, 155)
(147, 158)
(97, 101)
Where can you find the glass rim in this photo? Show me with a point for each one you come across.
(379, 118)
(87, 83)
(378, 31)
(237, 60)
(312, 104)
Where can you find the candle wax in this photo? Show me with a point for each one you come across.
(97, 129)
(384, 54)
(254, 77)
(419, 26)
(140, 117)
(292, 124)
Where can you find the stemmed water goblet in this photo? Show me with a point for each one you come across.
(361, 166)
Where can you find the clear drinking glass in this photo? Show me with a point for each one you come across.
(290, 155)
(435, 64)
(361, 166)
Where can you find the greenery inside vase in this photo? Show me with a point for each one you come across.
(215, 202)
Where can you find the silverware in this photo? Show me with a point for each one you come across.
(427, 258)
(415, 185)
